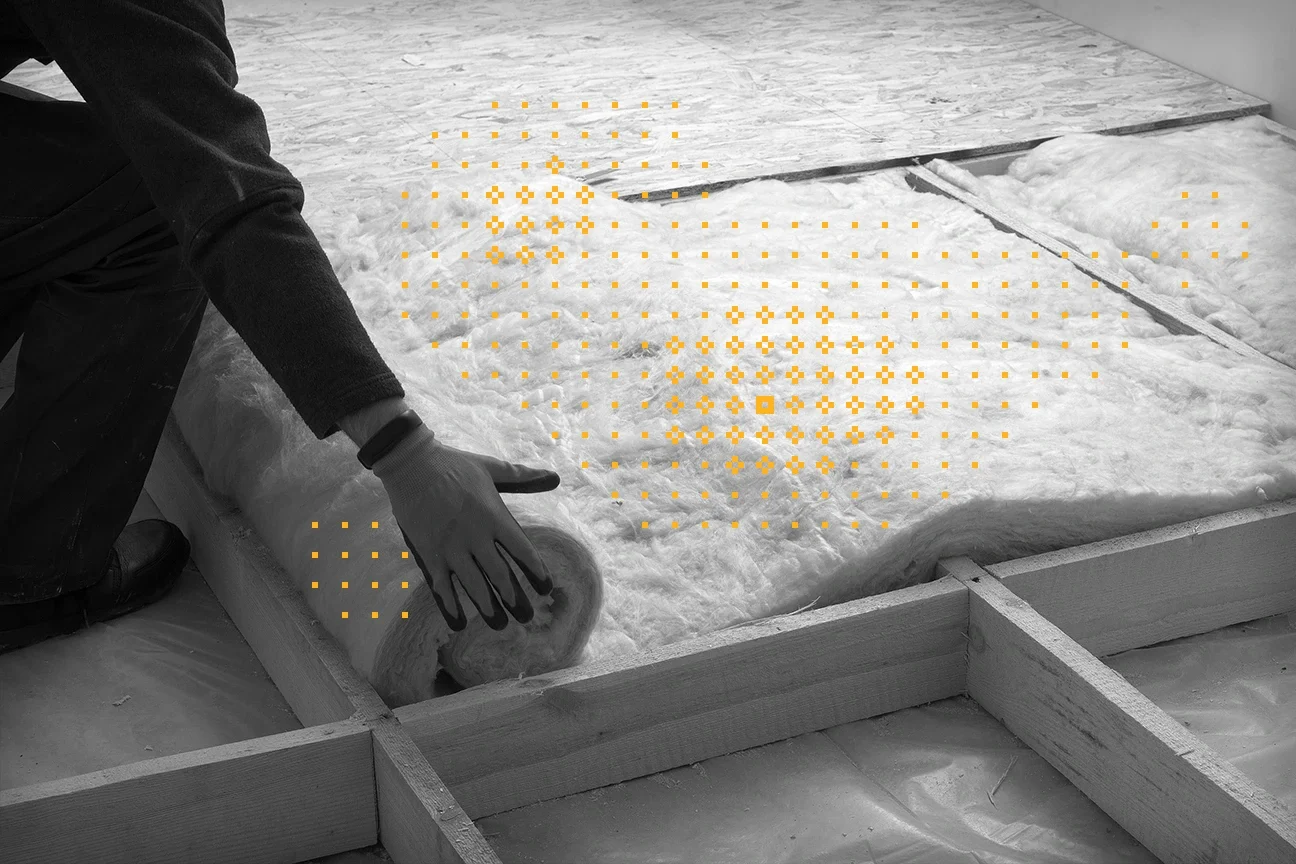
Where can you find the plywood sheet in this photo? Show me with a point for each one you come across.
(733, 90)
(789, 89)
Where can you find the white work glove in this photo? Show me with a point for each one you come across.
(448, 506)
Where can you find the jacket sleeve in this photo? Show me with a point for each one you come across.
(160, 75)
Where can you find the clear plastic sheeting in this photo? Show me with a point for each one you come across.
(368, 855)
(1235, 689)
(173, 677)
(939, 783)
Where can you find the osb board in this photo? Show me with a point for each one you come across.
(792, 88)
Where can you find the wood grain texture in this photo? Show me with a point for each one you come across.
(301, 657)
(419, 821)
(1160, 782)
(210, 805)
(418, 818)
(512, 743)
(1169, 314)
(792, 90)
(1176, 581)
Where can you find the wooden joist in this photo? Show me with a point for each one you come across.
(1174, 794)
(301, 657)
(512, 743)
(1166, 312)
(1164, 584)
(211, 805)
(420, 820)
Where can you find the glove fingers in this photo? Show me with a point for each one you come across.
(477, 586)
(513, 540)
(529, 480)
(514, 476)
(505, 582)
(443, 590)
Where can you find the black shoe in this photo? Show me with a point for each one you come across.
(144, 564)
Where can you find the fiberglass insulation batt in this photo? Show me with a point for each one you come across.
(1205, 215)
(776, 396)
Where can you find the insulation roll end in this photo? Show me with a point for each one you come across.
(555, 638)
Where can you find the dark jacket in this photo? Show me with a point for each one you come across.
(160, 76)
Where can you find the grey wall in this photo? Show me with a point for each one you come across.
(1247, 44)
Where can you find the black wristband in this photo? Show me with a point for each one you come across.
(386, 438)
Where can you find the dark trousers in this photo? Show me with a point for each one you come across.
(91, 279)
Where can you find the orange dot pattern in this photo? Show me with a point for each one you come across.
(876, 353)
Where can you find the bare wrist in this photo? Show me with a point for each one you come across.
(363, 424)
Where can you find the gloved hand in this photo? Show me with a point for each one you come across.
(448, 506)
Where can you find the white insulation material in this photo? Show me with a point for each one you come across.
(1205, 215)
(922, 371)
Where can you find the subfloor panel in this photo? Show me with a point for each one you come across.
(733, 90)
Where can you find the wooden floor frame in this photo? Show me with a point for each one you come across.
(1022, 638)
